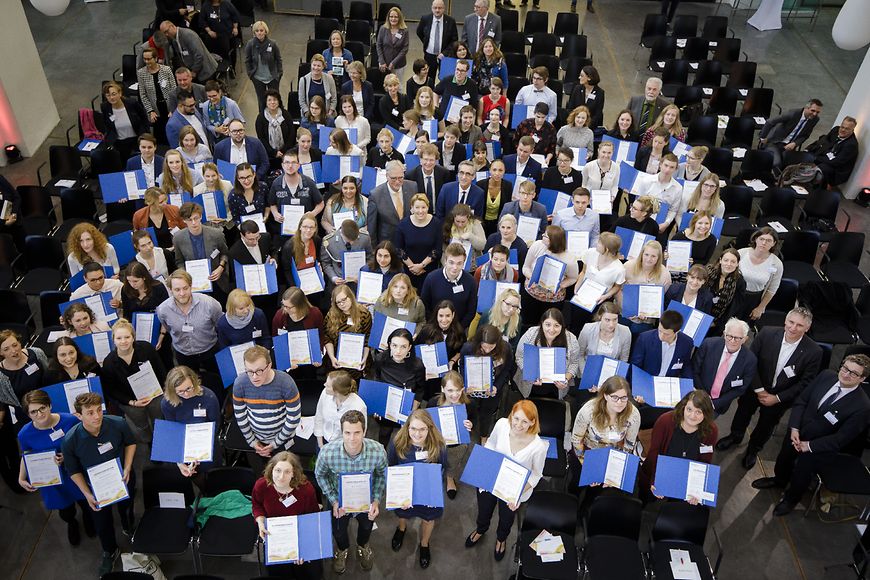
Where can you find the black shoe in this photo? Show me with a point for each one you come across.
(590, 9)
(469, 543)
(508, 4)
(499, 556)
(750, 459)
(398, 538)
(107, 563)
(783, 507)
(524, 3)
(765, 483)
(425, 557)
(728, 442)
(451, 493)
(73, 534)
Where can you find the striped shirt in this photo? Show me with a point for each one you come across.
(269, 413)
(333, 460)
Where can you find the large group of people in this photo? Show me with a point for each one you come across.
(463, 249)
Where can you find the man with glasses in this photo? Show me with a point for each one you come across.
(429, 175)
(292, 188)
(459, 86)
(198, 242)
(240, 148)
(480, 25)
(539, 92)
(788, 360)
(389, 203)
(830, 414)
(527, 207)
(267, 407)
(723, 367)
(436, 31)
(186, 113)
(461, 191)
(96, 283)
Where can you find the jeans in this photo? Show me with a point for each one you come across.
(363, 532)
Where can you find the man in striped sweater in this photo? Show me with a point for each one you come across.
(267, 407)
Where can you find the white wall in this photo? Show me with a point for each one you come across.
(857, 104)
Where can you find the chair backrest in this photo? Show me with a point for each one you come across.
(720, 161)
(43, 252)
(846, 247)
(614, 515)
(737, 199)
(727, 50)
(696, 49)
(740, 131)
(35, 201)
(688, 96)
(543, 43)
(64, 161)
(126, 575)
(332, 9)
(757, 161)
(537, 21)
(552, 511)
(510, 19)
(360, 10)
(514, 86)
(742, 74)
(663, 48)
(551, 415)
(574, 45)
(14, 306)
(566, 23)
(512, 41)
(77, 203)
(685, 26)
(8, 251)
(516, 62)
(777, 201)
(703, 130)
(676, 71)
(323, 27)
(49, 303)
(357, 49)
(165, 479)
(709, 74)
(821, 203)
(358, 30)
(105, 161)
(550, 61)
(785, 297)
(128, 68)
(315, 46)
(681, 522)
(654, 25)
(758, 103)
(715, 27)
(801, 246)
(221, 479)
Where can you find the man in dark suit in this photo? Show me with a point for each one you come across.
(148, 161)
(665, 352)
(436, 31)
(787, 361)
(723, 366)
(254, 248)
(389, 203)
(429, 176)
(829, 415)
(186, 113)
(645, 108)
(461, 191)
(479, 25)
(240, 149)
(521, 162)
(837, 152)
(787, 132)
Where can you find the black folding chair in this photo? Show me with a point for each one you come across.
(164, 530)
(226, 536)
(612, 529)
(323, 27)
(510, 19)
(740, 132)
(723, 101)
(557, 513)
(674, 75)
(682, 526)
(567, 24)
(799, 251)
(332, 9)
(685, 26)
(536, 22)
(551, 414)
(720, 161)
(779, 306)
(664, 49)
(842, 259)
(45, 260)
(654, 25)
(703, 131)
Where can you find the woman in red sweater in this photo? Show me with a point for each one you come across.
(285, 491)
(689, 432)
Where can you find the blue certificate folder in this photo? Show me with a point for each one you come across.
(487, 293)
(447, 67)
(699, 333)
(271, 278)
(226, 366)
(58, 394)
(595, 466)
(374, 394)
(219, 204)
(539, 265)
(630, 293)
(460, 416)
(86, 342)
(520, 113)
(482, 467)
(627, 236)
(548, 198)
(440, 354)
(168, 443)
(592, 370)
(632, 147)
(315, 537)
(323, 137)
(552, 447)
(532, 361)
(332, 171)
(378, 322)
(642, 383)
(155, 326)
(627, 176)
(672, 474)
(114, 185)
(123, 244)
(283, 359)
(369, 180)
(427, 489)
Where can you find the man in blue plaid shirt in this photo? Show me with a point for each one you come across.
(354, 454)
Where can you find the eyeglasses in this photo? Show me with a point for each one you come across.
(537, 78)
(257, 372)
(97, 279)
(186, 391)
(512, 306)
(710, 185)
(245, 177)
(466, 173)
(733, 338)
(850, 372)
(618, 399)
(38, 411)
(236, 131)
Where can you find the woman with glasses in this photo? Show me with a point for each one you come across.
(704, 197)
(298, 314)
(640, 216)
(704, 243)
(692, 169)
(504, 316)
(345, 315)
(762, 269)
(45, 434)
(418, 241)
(551, 332)
(248, 196)
(563, 177)
(69, 363)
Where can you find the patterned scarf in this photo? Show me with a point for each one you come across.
(725, 294)
(276, 137)
(217, 113)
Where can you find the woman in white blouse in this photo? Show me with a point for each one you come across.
(602, 173)
(152, 258)
(704, 197)
(600, 264)
(517, 438)
(647, 268)
(85, 243)
(337, 398)
(550, 333)
(762, 270)
(349, 118)
(537, 298)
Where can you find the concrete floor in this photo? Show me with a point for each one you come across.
(84, 46)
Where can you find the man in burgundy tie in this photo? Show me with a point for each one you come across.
(481, 24)
(723, 367)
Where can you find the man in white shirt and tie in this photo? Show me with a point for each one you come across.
(461, 191)
(436, 31)
(539, 92)
(429, 175)
(479, 25)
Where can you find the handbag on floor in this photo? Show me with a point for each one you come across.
(136, 562)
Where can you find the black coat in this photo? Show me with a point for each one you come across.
(288, 131)
(135, 111)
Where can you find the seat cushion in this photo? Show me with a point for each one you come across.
(162, 531)
(228, 537)
(532, 566)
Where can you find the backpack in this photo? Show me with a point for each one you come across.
(88, 126)
(805, 174)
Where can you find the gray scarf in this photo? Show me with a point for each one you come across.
(238, 322)
(276, 137)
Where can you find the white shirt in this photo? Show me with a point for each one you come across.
(109, 285)
(667, 357)
(671, 193)
(532, 457)
(327, 418)
(843, 392)
(148, 170)
(195, 123)
(437, 24)
(122, 122)
(786, 349)
(613, 273)
(238, 153)
(255, 252)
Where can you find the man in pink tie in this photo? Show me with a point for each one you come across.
(723, 367)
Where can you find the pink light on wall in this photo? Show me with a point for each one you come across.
(10, 134)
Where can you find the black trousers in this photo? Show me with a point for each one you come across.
(199, 362)
(260, 89)
(796, 470)
(486, 504)
(68, 514)
(104, 522)
(669, 7)
(363, 531)
(768, 417)
(432, 61)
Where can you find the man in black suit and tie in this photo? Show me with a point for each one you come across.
(837, 152)
(787, 132)
(723, 366)
(829, 415)
(436, 31)
(429, 176)
(254, 248)
(787, 361)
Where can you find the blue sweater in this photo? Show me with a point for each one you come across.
(269, 413)
(436, 288)
(184, 412)
(256, 330)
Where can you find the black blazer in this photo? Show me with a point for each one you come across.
(704, 302)
(368, 94)
(135, 111)
(804, 362)
(238, 252)
(706, 363)
(385, 106)
(778, 128)
(442, 176)
(449, 35)
(845, 154)
(852, 412)
(288, 131)
(595, 105)
(643, 155)
(633, 136)
(507, 191)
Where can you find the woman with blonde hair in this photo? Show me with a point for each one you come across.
(213, 182)
(504, 315)
(393, 104)
(339, 144)
(453, 393)
(418, 440)
(417, 240)
(317, 83)
(392, 43)
(400, 301)
(463, 227)
(706, 197)
(177, 178)
(576, 132)
(668, 119)
(698, 231)
(85, 243)
(243, 322)
(600, 264)
(349, 117)
(263, 62)
(345, 315)
(691, 169)
(339, 395)
(425, 104)
(191, 146)
(647, 268)
(159, 215)
(359, 89)
(640, 216)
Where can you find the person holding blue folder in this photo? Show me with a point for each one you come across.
(647, 268)
(504, 315)
(600, 264)
(302, 251)
(442, 326)
(453, 393)
(608, 420)
(699, 232)
(687, 432)
(399, 366)
(345, 315)
(418, 440)
(605, 337)
(640, 216)
(550, 333)
(692, 292)
(282, 491)
(515, 437)
(400, 301)
(488, 342)
(79, 320)
(69, 363)
(85, 243)
(242, 322)
(536, 298)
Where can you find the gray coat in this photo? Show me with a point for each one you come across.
(270, 55)
(334, 245)
(491, 28)
(214, 241)
(329, 89)
(148, 92)
(392, 50)
(190, 49)
(588, 341)
(381, 217)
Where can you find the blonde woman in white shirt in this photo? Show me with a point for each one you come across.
(647, 268)
(603, 172)
(762, 271)
(602, 265)
(704, 197)
(517, 438)
(337, 398)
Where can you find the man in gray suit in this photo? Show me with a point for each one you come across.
(645, 108)
(347, 238)
(190, 51)
(479, 25)
(787, 132)
(389, 203)
(198, 242)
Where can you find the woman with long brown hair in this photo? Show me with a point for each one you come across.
(85, 243)
(345, 315)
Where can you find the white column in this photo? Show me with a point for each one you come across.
(27, 110)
